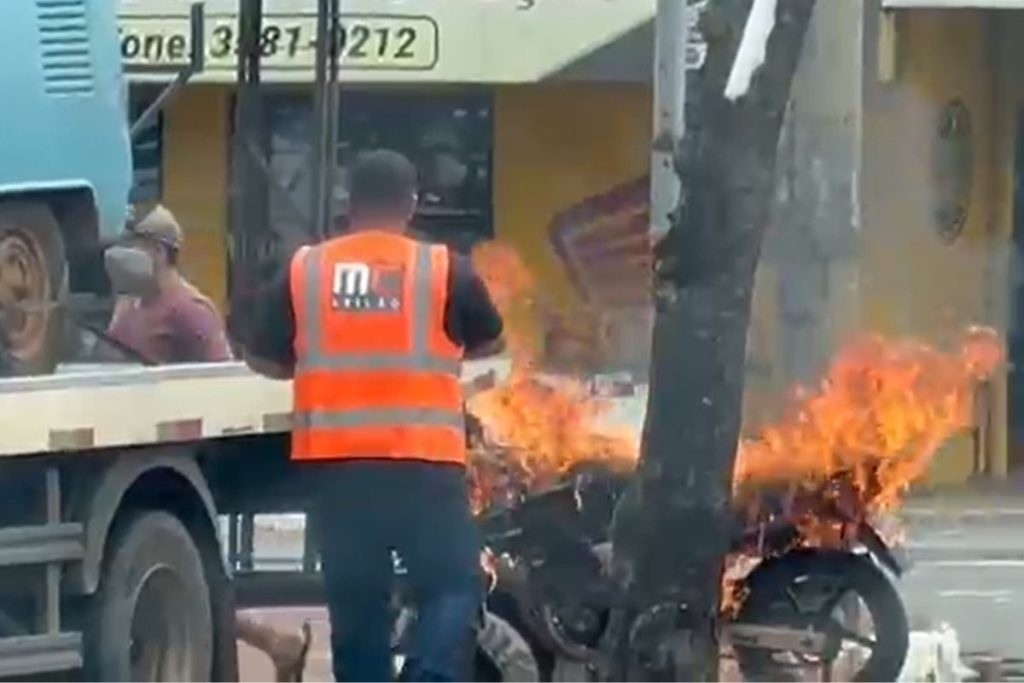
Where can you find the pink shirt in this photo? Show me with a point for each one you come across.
(179, 326)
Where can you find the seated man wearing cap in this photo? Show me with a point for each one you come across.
(163, 318)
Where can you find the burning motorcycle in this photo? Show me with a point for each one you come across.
(810, 582)
(829, 610)
(809, 589)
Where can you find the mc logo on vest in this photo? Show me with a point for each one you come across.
(367, 287)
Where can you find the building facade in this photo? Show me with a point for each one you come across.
(898, 175)
(899, 204)
(517, 113)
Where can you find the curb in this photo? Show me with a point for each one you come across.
(966, 516)
(981, 511)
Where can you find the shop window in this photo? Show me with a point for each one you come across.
(447, 135)
(147, 151)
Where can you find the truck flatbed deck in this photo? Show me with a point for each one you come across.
(96, 406)
(89, 407)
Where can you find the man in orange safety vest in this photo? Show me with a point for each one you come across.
(372, 326)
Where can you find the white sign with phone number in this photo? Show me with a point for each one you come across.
(398, 41)
(287, 42)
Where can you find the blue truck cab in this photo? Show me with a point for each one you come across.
(65, 162)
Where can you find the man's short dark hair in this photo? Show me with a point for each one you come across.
(381, 180)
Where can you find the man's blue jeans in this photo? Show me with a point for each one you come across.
(366, 509)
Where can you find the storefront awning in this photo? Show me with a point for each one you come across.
(953, 4)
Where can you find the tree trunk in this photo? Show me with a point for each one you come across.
(672, 529)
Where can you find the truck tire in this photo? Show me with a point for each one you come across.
(153, 620)
(33, 288)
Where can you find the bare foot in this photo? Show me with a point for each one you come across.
(290, 655)
(287, 651)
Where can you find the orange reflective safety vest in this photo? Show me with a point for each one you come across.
(376, 376)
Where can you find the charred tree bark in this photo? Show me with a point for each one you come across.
(672, 530)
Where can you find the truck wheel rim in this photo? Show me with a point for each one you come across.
(24, 294)
(160, 631)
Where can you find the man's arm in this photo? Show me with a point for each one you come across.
(270, 350)
(103, 351)
(471, 318)
(200, 333)
(268, 368)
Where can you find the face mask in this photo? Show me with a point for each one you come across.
(131, 270)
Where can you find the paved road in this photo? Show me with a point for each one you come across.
(969, 572)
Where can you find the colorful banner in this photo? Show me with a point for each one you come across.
(604, 242)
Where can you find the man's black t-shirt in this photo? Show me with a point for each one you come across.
(471, 319)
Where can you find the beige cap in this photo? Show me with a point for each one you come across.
(159, 224)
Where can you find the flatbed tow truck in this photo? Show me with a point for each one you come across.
(109, 529)
(116, 476)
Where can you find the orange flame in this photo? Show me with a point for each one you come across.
(542, 427)
(868, 432)
(547, 427)
(857, 443)
(512, 288)
(878, 417)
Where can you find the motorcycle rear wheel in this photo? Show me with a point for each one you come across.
(804, 589)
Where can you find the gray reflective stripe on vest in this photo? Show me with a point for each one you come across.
(419, 358)
(383, 417)
(382, 361)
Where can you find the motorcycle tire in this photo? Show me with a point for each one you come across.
(502, 654)
(770, 601)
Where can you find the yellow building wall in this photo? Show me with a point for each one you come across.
(912, 282)
(554, 145)
(915, 282)
(196, 129)
(558, 144)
